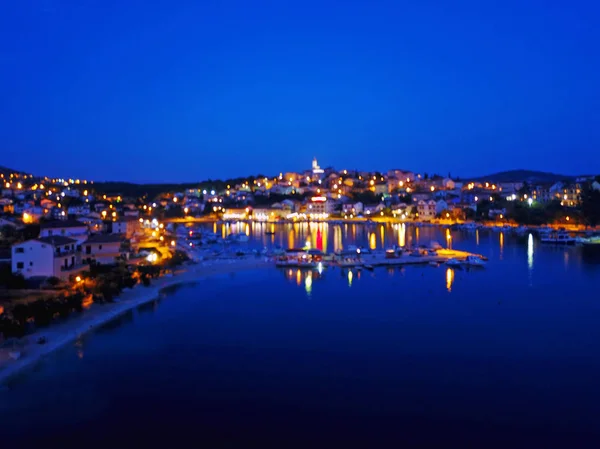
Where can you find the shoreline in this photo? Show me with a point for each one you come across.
(61, 334)
(389, 220)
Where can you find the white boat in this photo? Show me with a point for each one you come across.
(475, 261)
(589, 241)
(557, 237)
(453, 263)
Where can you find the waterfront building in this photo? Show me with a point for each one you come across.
(104, 249)
(319, 207)
(426, 209)
(373, 209)
(353, 208)
(54, 256)
(238, 213)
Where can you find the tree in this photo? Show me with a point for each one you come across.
(366, 197)
(11, 328)
(10, 280)
(53, 281)
(405, 198)
(590, 205)
(21, 313)
(483, 209)
(525, 189)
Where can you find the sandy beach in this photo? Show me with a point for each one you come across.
(61, 334)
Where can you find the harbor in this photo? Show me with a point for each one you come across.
(357, 258)
(320, 245)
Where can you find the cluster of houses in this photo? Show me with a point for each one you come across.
(66, 247)
(401, 193)
(80, 225)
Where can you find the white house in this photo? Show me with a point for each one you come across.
(373, 209)
(319, 207)
(67, 228)
(426, 209)
(46, 257)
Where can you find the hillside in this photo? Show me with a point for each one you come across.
(7, 171)
(531, 176)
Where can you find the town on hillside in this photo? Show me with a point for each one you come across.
(56, 228)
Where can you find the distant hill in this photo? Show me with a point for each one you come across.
(530, 176)
(7, 171)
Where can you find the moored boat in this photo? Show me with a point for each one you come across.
(557, 237)
(474, 261)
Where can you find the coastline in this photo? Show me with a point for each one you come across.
(62, 334)
(570, 227)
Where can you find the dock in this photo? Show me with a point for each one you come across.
(379, 259)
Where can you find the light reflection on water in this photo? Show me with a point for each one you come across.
(372, 241)
(402, 235)
(449, 278)
(308, 283)
(530, 252)
(330, 237)
(464, 328)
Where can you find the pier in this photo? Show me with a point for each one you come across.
(377, 259)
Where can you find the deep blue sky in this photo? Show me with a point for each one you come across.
(148, 90)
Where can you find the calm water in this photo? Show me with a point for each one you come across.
(507, 356)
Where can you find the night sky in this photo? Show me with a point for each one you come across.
(146, 90)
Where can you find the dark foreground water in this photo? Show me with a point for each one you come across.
(504, 357)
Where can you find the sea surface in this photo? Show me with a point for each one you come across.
(502, 357)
